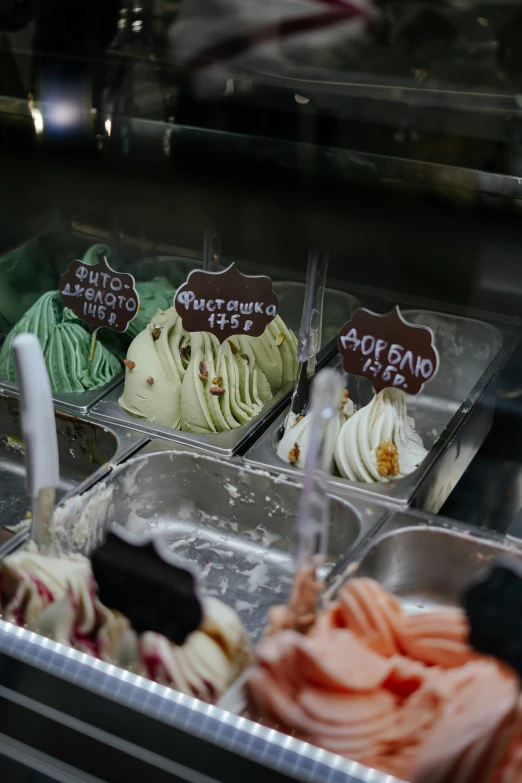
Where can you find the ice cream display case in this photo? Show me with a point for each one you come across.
(349, 163)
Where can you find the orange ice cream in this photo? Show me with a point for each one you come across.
(383, 688)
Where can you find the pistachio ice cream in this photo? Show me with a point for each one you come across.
(173, 378)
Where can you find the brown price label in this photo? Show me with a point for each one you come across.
(99, 295)
(226, 303)
(388, 350)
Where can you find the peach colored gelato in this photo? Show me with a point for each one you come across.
(385, 689)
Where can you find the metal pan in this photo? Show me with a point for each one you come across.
(452, 413)
(234, 523)
(425, 561)
(76, 402)
(86, 451)
(338, 307)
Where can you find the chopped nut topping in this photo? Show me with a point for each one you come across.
(387, 459)
(280, 338)
(344, 398)
(217, 381)
(217, 390)
(293, 454)
(150, 380)
(232, 346)
(129, 364)
(203, 368)
(156, 333)
(244, 356)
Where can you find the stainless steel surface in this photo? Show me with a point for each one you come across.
(79, 403)
(86, 450)
(338, 307)
(236, 524)
(451, 413)
(425, 562)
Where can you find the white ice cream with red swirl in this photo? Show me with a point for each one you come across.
(56, 597)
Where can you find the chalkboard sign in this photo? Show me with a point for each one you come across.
(226, 303)
(388, 350)
(99, 295)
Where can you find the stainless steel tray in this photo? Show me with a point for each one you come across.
(86, 450)
(234, 523)
(451, 413)
(76, 402)
(425, 561)
(337, 310)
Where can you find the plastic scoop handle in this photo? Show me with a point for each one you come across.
(309, 341)
(211, 251)
(39, 433)
(311, 537)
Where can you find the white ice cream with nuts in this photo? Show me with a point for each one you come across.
(374, 444)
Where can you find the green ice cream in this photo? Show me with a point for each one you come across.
(154, 296)
(171, 374)
(25, 273)
(66, 345)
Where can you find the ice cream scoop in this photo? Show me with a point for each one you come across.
(172, 376)
(56, 597)
(293, 446)
(379, 443)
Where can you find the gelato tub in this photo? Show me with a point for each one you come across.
(238, 531)
(86, 449)
(453, 413)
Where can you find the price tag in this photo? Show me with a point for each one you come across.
(99, 295)
(388, 350)
(226, 303)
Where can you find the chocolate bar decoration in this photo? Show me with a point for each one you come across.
(226, 303)
(388, 350)
(99, 295)
(140, 578)
(493, 603)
